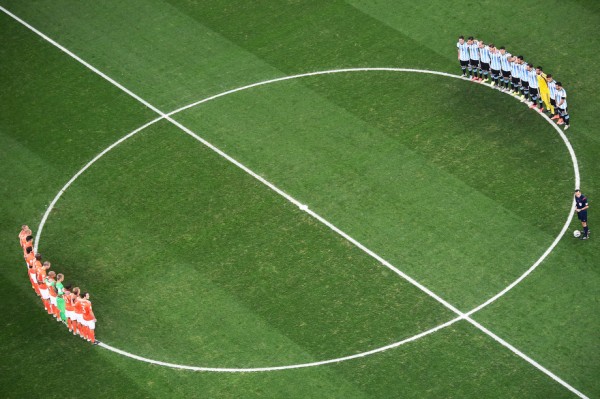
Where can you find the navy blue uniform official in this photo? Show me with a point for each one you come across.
(581, 207)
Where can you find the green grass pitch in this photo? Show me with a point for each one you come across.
(192, 261)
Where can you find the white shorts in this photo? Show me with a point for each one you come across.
(33, 278)
(69, 314)
(45, 294)
(52, 300)
(91, 324)
(79, 318)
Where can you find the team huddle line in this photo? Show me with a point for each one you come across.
(66, 304)
(512, 74)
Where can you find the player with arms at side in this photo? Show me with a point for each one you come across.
(60, 302)
(581, 207)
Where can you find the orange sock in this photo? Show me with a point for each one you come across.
(92, 336)
(69, 324)
(47, 306)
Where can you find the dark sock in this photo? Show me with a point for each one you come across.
(585, 231)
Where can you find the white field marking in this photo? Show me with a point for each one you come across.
(287, 367)
(526, 358)
(291, 199)
(97, 157)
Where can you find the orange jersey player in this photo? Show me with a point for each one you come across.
(25, 231)
(29, 260)
(27, 244)
(89, 319)
(41, 280)
(37, 265)
(51, 283)
(69, 308)
(29, 257)
(78, 305)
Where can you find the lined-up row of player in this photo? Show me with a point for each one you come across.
(66, 304)
(510, 73)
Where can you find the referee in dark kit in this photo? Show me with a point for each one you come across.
(581, 207)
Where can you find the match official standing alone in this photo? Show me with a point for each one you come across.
(581, 207)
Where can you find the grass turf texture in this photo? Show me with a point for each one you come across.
(56, 125)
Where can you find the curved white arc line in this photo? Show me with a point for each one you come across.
(288, 367)
(90, 163)
(345, 235)
(556, 240)
(141, 100)
(302, 75)
(530, 270)
(167, 116)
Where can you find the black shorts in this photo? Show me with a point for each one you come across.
(495, 72)
(552, 102)
(563, 112)
(485, 66)
(534, 91)
(464, 63)
(582, 216)
(474, 63)
(506, 74)
(525, 84)
(515, 81)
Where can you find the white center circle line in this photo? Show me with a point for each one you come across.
(303, 207)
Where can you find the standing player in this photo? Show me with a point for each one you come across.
(27, 244)
(78, 306)
(484, 57)
(534, 91)
(515, 73)
(552, 88)
(41, 280)
(524, 77)
(495, 65)
(581, 207)
(30, 260)
(60, 302)
(463, 55)
(51, 283)
(474, 66)
(505, 65)
(25, 231)
(561, 103)
(88, 318)
(69, 309)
